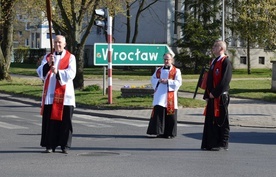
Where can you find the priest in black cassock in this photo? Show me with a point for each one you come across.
(57, 71)
(216, 125)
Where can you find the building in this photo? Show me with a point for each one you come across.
(157, 25)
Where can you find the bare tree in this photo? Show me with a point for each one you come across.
(74, 19)
(6, 37)
(143, 5)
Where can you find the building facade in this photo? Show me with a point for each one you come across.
(156, 25)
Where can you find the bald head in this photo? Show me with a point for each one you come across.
(60, 43)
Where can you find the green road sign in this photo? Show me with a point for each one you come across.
(131, 54)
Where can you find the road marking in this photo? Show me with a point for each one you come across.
(11, 126)
(85, 120)
(10, 116)
(135, 123)
(90, 124)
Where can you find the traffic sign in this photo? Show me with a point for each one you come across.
(125, 54)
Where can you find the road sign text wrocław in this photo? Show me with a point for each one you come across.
(131, 54)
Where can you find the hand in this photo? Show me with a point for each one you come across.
(51, 60)
(211, 96)
(54, 70)
(163, 81)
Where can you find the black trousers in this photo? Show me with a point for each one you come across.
(216, 129)
(162, 124)
(57, 133)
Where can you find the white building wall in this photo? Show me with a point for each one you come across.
(254, 58)
(155, 26)
(44, 40)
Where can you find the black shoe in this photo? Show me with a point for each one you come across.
(215, 149)
(170, 137)
(47, 151)
(64, 151)
(225, 148)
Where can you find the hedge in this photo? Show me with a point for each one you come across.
(29, 56)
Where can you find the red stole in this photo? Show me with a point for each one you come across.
(57, 107)
(217, 76)
(170, 94)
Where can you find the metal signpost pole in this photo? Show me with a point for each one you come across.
(49, 17)
(109, 41)
(223, 19)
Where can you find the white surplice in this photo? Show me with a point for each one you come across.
(160, 95)
(66, 78)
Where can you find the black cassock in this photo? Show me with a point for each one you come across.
(161, 124)
(216, 129)
(57, 133)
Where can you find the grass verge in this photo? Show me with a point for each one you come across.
(92, 98)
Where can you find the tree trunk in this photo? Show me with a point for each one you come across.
(136, 26)
(7, 41)
(74, 46)
(248, 57)
(128, 23)
(79, 81)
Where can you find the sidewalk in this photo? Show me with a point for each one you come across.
(242, 112)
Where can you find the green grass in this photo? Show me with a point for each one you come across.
(259, 88)
(257, 85)
(88, 97)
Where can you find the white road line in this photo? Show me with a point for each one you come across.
(113, 121)
(10, 116)
(135, 123)
(87, 120)
(11, 126)
(90, 124)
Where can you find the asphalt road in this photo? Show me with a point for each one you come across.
(115, 146)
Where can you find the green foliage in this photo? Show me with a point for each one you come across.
(200, 28)
(91, 88)
(27, 55)
(20, 54)
(255, 21)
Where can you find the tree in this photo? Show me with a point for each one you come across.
(7, 12)
(74, 19)
(256, 24)
(76, 26)
(201, 28)
(142, 6)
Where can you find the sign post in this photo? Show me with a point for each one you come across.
(109, 41)
(107, 25)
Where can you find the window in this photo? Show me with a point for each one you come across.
(53, 35)
(262, 60)
(243, 60)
